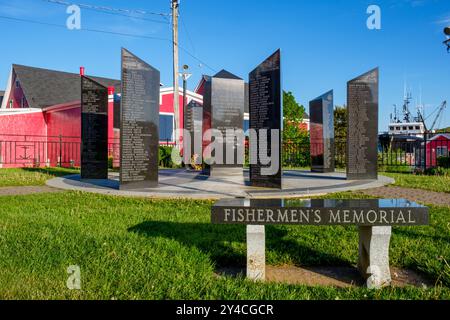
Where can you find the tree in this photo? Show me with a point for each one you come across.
(293, 118)
(444, 130)
(340, 122)
(340, 134)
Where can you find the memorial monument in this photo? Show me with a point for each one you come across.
(266, 114)
(139, 125)
(223, 110)
(373, 217)
(321, 111)
(362, 122)
(193, 120)
(94, 130)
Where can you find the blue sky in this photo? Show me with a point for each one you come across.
(324, 43)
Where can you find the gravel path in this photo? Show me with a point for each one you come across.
(416, 195)
(9, 191)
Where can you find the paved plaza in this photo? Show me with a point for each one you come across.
(193, 185)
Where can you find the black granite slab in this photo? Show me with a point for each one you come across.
(362, 212)
(362, 131)
(193, 123)
(321, 111)
(94, 130)
(223, 109)
(139, 126)
(266, 112)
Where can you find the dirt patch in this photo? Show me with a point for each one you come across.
(11, 191)
(341, 277)
(417, 195)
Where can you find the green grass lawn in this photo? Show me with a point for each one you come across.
(148, 249)
(31, 176)
(433, 183)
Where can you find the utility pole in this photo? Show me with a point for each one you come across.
(176, 84)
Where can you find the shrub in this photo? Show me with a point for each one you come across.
(165, 157)
(395, 168)
(110, 162)
(443, 162)
(437, 171)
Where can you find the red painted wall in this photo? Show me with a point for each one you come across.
(22, 139)
(16, 95)
(167, 106)
(62, 120)
(23, 124)
(441, 141)
(65, 122)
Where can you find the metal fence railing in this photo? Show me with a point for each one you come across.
(395, 153)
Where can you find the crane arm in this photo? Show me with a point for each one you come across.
(441, 109)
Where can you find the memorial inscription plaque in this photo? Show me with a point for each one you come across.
(94, 130)
(139, 126)
(361, 212)
(266, 113)
(321, 112)
(362, 132)
(223, 108)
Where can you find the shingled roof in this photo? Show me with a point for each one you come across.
(44, 88)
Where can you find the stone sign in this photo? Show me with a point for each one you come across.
(139, 125)
(94, 130)
(223, 110)
(321, 111)
(370, 212)
(362, 122)
(266, 113)
(374, 218)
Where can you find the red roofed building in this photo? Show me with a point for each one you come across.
(438, 146)
(40, 117)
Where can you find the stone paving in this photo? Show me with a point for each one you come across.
(193, 185)
(416, 195)
(175, 184)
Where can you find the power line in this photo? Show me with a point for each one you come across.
(118, 12)
(104, 8)
(187, 33)
(197, 59)
(108, 32)
(83, 29)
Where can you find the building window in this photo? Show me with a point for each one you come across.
(392, 128)
(246, 125)
(404, 128)
(417, 128)
(22, 102)
(411, 128)
(17, 84)
(166, 127)
(442, 151)
(11, 103)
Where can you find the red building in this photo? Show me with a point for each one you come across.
(438, 146)
(40, 117)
